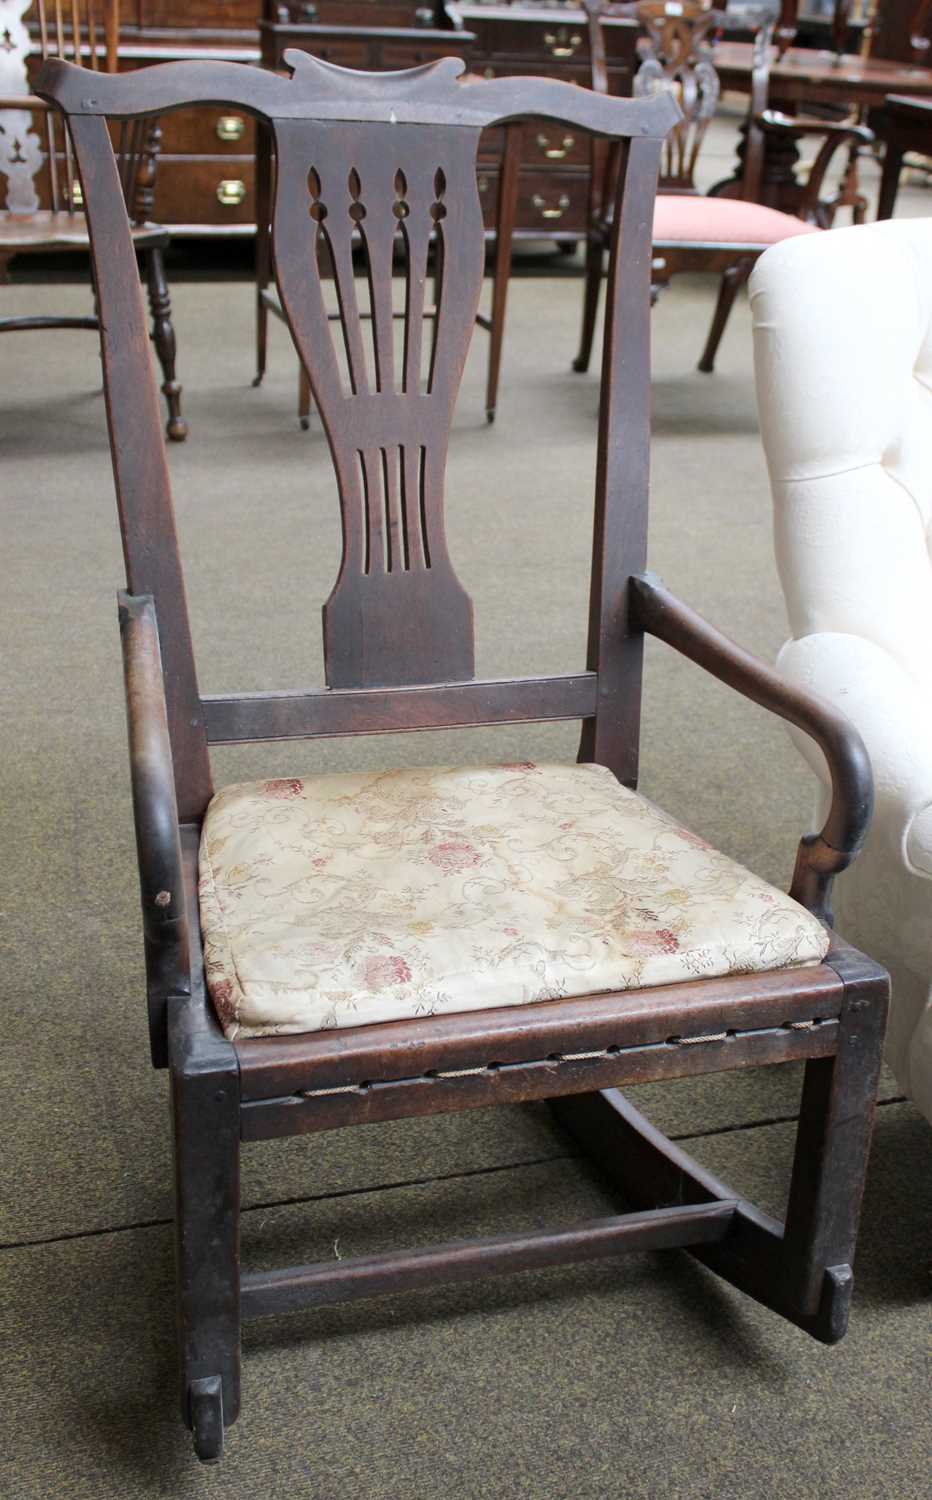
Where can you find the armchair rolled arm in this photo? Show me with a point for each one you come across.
(155, 814)
(821, 855)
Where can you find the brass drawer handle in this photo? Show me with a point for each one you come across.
(231, 128)
(563, 204)
(483, 184)
(556, 153)
(231, 192)
(77, 194)
(561, 44)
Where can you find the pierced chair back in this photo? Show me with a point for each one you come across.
(391, 157)
(36, 154)
(676, 58)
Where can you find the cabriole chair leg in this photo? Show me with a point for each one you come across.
(732, 281)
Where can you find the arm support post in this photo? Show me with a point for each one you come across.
(155, 813)
(821, 855)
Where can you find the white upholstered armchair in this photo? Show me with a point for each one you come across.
(843, 355)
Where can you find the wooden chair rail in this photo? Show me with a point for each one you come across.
(822, 855)
(338, 711)
(268, 1292)
(554, 1031)
(549, 1077)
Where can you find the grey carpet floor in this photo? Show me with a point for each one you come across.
(631, 1378)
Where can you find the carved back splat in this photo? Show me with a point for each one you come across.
(382, 162)
(397, 613)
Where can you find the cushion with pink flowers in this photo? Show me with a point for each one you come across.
(380, 896)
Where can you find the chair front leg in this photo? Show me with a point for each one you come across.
(206, 1129)
(732, 281)
(595, 255)
(163, 337)
(836, 1122)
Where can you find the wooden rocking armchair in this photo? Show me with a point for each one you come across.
(329, 974)
(43, 208)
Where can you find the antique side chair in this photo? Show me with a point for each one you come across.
(726, 231)
(42, 210)
(328, 950)
(723, 232)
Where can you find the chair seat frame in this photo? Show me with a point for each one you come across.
(573, 1052)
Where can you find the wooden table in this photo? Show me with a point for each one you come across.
(905, 125)
(804, 77)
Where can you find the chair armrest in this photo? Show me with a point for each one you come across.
(821, 855)
(777, 123)
(155, 813)
(835, 136)
(24, 101)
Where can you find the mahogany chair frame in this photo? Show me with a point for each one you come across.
(399, 656)
(78, 32)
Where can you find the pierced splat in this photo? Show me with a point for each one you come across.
(402, 147)
(397, 611)
(677, 59)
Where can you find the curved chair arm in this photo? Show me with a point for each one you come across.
(821, 855)
(155, 814)
(835, 136)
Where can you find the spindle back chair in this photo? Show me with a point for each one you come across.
(42, 210)
(393, 156)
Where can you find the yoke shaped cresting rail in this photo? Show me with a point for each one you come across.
(383, 165)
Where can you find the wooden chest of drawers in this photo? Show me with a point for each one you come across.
(206, 175)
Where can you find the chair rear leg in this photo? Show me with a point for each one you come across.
(163, 337)
(205, 1120)
(504, 233)
(264, 170)
(595, 256)
(732, 281)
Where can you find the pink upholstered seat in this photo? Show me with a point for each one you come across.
(685, 218)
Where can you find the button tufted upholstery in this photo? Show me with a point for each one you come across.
(341, 900)
(843, 350)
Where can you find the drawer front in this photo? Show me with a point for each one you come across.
(208, 132)
(560, 39)
(552, 202)
(205, 190)
(549, 203)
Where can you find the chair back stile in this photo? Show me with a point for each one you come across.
(386, 163)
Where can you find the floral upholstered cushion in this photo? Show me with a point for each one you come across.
(379, 896)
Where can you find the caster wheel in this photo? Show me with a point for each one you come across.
(205, 1409)
(177, 430)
